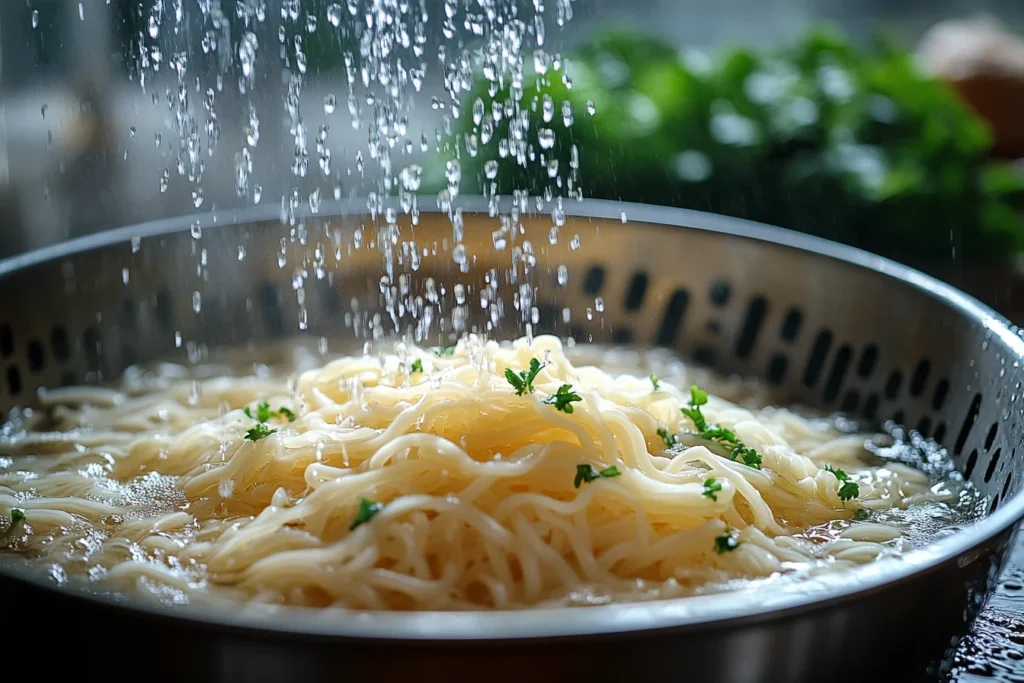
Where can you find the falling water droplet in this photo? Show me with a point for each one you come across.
(334, 14)
(330, 103)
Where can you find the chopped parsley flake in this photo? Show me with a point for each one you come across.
(587, 474)
(654, 382)
(862, 515)
(698, 397)
(711, 488)
(563, 398)
(17, 517)
(849, 489)
(367, 510)
(726, 543)
(669, 439)
(523, 381)
(417, 366)
(720, 435)
(258, 432)
(265, 414)
(444, 350)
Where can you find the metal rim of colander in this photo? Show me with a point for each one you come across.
(703, 611)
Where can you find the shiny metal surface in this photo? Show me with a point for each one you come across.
(825, 325)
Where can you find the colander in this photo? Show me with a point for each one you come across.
(823, 325)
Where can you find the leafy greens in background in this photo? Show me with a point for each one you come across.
(853, 145)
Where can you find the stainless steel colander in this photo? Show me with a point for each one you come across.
(824, 325)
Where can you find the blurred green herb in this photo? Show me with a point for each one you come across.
(856, 145)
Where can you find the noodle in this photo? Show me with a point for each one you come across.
(421, 480)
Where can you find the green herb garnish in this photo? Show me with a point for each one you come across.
(265, 414)
(259, 431)
(17, 517)
(654, 382)
(669, 439)
(720, 435)
(367, 509)
(417, 366)
(726, 543)
(563, 398)
(862, 515)
(587, 474)
(444, 350)
(523, 382)
(711, 488)
(698, 397)
(749, 456)
(849, 489)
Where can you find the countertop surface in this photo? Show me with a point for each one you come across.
(994, 649)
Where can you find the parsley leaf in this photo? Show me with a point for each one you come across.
(563, 398)
(749, 456)
(711, 488)
(259, 431)
(724, 436)
(417, 366)
(849, 489)
(654, 382)
(587, 474)
(263, 412)
(523, 382)
(720, 435)
(698, 397)
(840, 475)
(669, 439)
(444, 350)
(17, 517)
(367, 509)
(726, 543)
(862, 514)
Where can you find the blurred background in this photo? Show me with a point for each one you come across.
(893, 125)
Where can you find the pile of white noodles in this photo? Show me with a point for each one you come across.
(160, 492)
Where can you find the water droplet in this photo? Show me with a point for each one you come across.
(591, 108)
(491, 169)
(410, 177)
(567, 113)
(197, 301)
(546, 138)
(563, 276)
(330, 103)
(35, 18)
(547, 108)
(334, 14)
